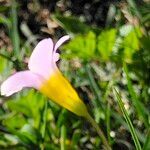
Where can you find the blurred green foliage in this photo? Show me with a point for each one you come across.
(82, 46)
(94, 60)
(106, 41)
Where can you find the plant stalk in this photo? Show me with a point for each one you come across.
(99, 131)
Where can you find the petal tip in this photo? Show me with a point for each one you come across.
(2, 90)
(5, 91)
(61, 41)
(67, 37)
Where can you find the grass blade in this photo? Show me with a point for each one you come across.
(14, 30)
(134, 8)
(141, 110)
(108, 122)
(126, 116)
(43, 120)
(147, 142)
(43, 125)
(75, 139)
(63, 138)
(94, 86)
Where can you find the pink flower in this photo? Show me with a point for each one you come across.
(44, 76)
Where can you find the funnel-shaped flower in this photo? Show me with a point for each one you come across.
(44, 76)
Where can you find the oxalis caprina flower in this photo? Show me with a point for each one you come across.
(44, 75)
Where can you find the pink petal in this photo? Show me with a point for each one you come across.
(56, 57)
(41, 59)
(20, 80)
(60, 42)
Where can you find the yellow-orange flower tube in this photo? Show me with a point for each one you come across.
(60, 91)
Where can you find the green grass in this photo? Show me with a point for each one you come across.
(126, 116)
(95, 60)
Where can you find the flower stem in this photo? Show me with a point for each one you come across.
(99, 131)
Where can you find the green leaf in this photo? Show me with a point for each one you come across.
(21, 137)
(82, 46)
(62, 118)
(30, 104)
(145, 42)
(43, 120)
(141, 110)
(75, 139)
(3, 64)
(15, 121)
(147, 142)
(30, 133)
(126, 116)
(72, 24)
(5, 21)
(131, 44)
(106, 42)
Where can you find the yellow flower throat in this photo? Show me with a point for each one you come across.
(58, 89)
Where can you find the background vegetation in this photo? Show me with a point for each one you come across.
(109, 49)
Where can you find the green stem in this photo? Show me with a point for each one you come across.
(14, 29)
(99, 131)
(63, 138)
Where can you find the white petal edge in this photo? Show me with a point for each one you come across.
(61, 41)
(20, 80)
